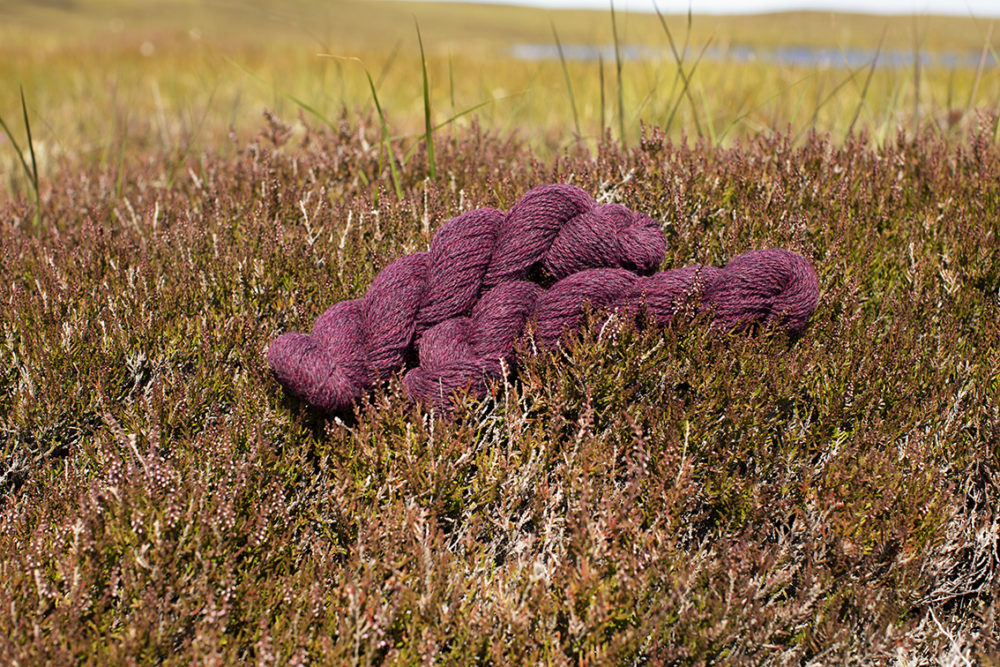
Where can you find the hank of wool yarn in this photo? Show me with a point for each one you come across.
(763, 287)
(558, 228)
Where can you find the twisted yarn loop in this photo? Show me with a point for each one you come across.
(771, 288)
(557, 228)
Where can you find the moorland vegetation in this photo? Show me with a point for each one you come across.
(635, 497)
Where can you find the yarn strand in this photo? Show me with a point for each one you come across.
(768, 288)
(558, 229)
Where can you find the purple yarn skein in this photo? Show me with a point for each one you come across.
(762, 287)
(357, 343)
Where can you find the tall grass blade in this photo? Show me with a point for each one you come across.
(868, 80)
(30, 172)
(463, 112)
(451, 83)
(122, 148)
(687, 29)
(385, 136)
(387, 65)
(996, 60)
(916, 76)
(521, 98)
(17, 149)
(569, 83)
(979, 69)
(429, 130)
(794, 117)
(742, 116)
(820, 103)
(647, 98)
(444, 123)
(600, 76)
(448, 121)
(708, 117)
(308, 108)
(386, 140)
(618, 71)
(31, 145)
(191, 141)
(686, 94)
(685, 76)
(677, 72)
(898, 94)
(950, 102)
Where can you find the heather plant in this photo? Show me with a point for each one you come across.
(634, 495)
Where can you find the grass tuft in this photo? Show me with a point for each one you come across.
(31, 173)
(868, 81)
(428, 122)
(620, 89)
(569, 82)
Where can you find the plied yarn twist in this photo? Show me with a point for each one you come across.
(557, 228)
(760, 288)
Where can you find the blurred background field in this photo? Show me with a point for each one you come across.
(107, 78)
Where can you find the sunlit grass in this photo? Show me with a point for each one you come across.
(101, 77)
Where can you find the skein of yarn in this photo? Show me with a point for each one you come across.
(557, 228)
(770, 288)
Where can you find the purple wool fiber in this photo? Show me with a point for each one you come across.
(762, 287)
(558, 228)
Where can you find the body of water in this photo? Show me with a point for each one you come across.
(977, 8)
(795, 55)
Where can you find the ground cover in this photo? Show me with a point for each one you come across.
(638, 497)
(674, 494)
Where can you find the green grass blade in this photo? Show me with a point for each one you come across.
(742, 116)
(122, 147)
(443, 123)
(686, 94)
(386, 140)
(31, 145)
(17, 149)
(388, 64)
(708, 117)
(618, 72)
(451, 83)
(385, 136)
(600, 75)
(650, 94)
(794, 117)
(429, 133)
(996, 59)
(979, 69)
(308, 108)
(677, 72)
(464, 112)
(822, 103)
(685, 76)
(192, 139)
(521, 98)
(569, 83)
(916, 74)
(868, 80)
